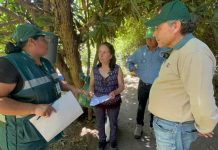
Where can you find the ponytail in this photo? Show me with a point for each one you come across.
(11, 48)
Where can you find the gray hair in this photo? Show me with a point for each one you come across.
(186, 27)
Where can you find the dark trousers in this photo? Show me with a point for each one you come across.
(143, 94)
(112, 113)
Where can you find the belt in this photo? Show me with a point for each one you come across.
(186, 122)
(148, 84)
(145, 83)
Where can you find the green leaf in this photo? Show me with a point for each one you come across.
(101, 3)
(215, 25)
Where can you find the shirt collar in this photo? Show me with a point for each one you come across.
(147, 48)
(183, 41)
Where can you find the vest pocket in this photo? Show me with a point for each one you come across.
(26, 132)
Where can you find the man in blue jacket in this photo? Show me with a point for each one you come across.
(145, 62)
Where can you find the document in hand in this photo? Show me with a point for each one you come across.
(67, 110)
(98, 100)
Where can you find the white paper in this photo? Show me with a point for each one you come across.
(67, 110)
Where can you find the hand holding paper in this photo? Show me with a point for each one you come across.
(98, 100)
(67, 110)
(44, 110)
(112, 95)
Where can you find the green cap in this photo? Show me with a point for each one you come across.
(25, 31)
(174, 10)
(149, 33)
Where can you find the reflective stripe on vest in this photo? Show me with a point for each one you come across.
(2, 118)
(29, 84)
(38, 81)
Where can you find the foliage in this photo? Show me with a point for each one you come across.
(205, 21)
(120, 22)
(129, 37)
(130, 34)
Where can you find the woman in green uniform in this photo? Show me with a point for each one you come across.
(28, 84)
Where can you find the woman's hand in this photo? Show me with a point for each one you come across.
(85, 92)
(91, 94)
(44, 110)
(81, 91)
(112, 95)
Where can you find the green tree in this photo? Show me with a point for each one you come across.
(83, 24)
(76, 22)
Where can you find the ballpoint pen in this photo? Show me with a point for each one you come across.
(41, 116)
(38, 117)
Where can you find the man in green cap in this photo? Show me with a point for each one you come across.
(145, 62)
(28, 85)
(181, 98)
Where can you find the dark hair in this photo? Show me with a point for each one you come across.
(112, 63)
(11, 48)
(187, 27)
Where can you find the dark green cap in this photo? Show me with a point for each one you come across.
(174, 10)
(25, 31)
(149, 32)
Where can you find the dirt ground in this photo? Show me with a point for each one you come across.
(77, 136)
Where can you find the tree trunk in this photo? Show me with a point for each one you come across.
(47, 8)
(89, 57)
(60, 64)
(85, 4)
(67, 32)
(96, 54)
(46, 5)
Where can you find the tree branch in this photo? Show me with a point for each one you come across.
(4, 33)
(13, 15)
(30, 7)
(91, 22)
(9, 23)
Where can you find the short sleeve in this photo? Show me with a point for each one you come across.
(9, 74)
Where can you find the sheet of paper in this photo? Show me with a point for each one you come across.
(67, 110)
(98, 100)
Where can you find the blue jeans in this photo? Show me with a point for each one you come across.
(173, 135)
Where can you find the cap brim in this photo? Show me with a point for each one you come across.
(46, 34)
(157, 20)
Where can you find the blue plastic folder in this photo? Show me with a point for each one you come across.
(98, 100)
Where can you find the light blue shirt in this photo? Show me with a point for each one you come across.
(147, 63)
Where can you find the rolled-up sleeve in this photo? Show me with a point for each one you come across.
(197, 74)
(132, 61)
